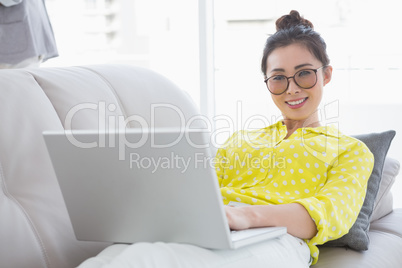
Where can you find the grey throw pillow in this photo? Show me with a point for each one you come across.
(358, 238)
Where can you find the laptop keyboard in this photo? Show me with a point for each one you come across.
(242, 234)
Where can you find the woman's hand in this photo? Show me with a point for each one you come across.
(293, 216)
(237, 218)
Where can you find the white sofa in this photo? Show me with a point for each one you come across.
(35, 230)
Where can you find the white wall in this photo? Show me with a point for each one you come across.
(368, 118)
(364, 48)
(362, 37)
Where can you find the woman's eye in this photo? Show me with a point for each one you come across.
(278, 78)
(304, 73)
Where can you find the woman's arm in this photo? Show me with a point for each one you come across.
(293, 216)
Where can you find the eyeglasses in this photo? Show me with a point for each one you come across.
(306, 79)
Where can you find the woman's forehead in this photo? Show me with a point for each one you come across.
(290, 58)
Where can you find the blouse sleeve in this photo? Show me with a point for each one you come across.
(220, 161)
(337, 204)
(221, 158)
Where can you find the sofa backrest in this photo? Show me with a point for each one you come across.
(35, 230)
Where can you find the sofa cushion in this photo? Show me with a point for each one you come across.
(385, 247)
(358, 237)
(383, 204)
(35, 229)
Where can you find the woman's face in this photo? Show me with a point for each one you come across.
(297, 103)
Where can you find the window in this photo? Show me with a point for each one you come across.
(365, 94)
(362, 37)
(155, 34)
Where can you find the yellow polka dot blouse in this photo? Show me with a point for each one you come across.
(319, 168)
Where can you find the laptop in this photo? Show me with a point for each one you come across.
(145, 186)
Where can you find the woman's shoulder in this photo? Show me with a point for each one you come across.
(269, 130)
(345, 143)
(353, 141)
(245, 135)
(352, 146)
(274, 128)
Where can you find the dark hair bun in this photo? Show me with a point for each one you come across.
(291, 20)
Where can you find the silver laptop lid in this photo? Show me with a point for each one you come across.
(138, 185)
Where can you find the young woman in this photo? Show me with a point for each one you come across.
(295, 173)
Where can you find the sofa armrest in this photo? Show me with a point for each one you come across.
(384, 250)
(384, 202)
(390, 224)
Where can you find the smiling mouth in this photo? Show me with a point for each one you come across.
(293, 103)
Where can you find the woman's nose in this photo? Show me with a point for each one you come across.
(293, 88)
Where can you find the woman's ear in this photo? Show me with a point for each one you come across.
(327, 74)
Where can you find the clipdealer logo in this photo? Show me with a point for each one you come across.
(173, 161)
(113, 126)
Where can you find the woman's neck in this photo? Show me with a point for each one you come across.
(293, 125)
